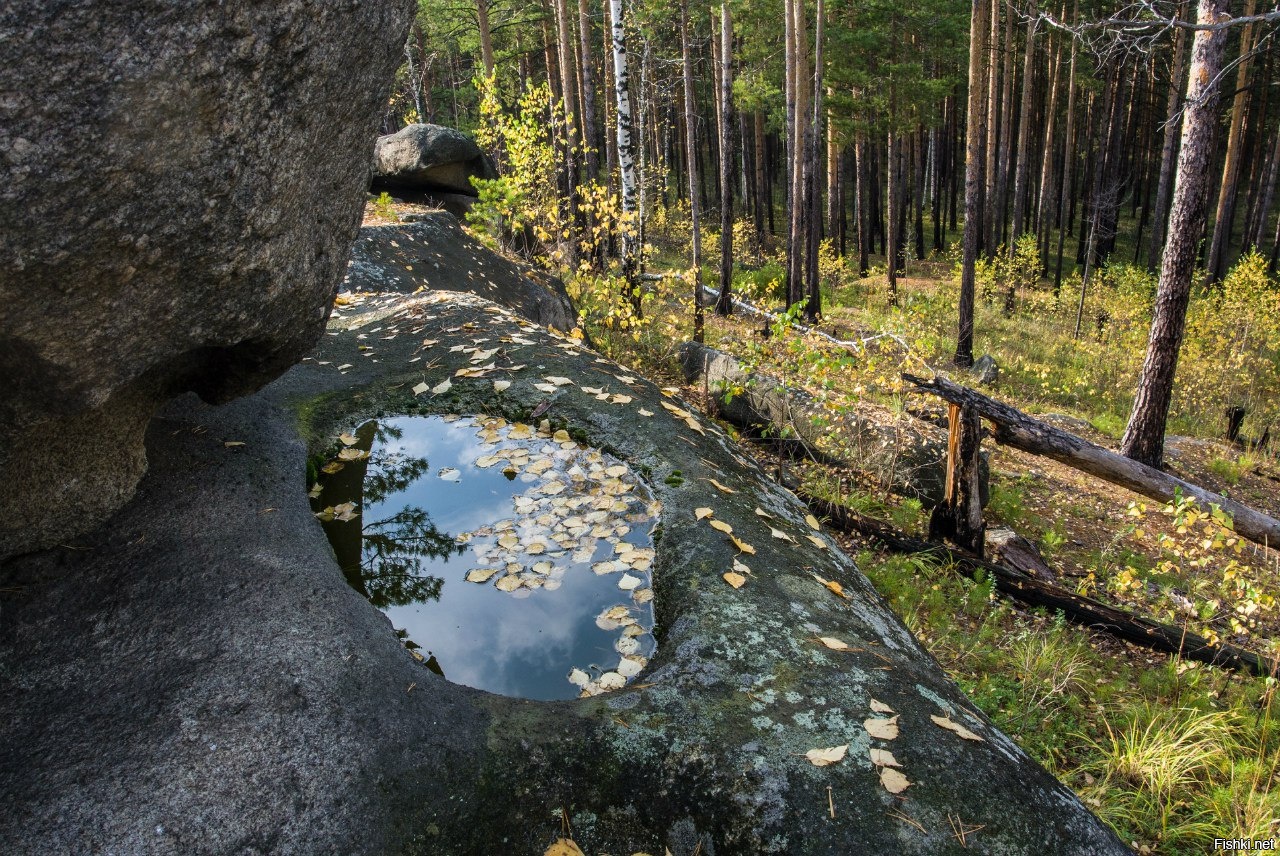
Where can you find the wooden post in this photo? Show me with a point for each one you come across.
(959, 517)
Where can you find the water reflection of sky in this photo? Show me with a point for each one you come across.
(522, 643)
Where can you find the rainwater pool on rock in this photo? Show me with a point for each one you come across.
(509, 558)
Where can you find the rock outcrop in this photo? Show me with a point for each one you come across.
(431, 159)
(204, 680)
(179, 188)
(436, 253)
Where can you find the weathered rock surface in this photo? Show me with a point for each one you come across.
(199, 678)
(910, 457)
(179, 187)
(436, 253)
(431, 158)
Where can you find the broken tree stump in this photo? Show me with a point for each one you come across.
(958, 518)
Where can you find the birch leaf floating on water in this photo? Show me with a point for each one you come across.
(828, 756)
(628, 582)
(882, 729)
(450, 474)
(352, 455)
(883, 758)
(700, 513)
(893, 781)
(348, 439)
(509, 583)
(721, 526)
(481, 575)
(955, 727)
(880, 707)
(734, 579)
(579, 678)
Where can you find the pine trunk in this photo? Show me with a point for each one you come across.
(1144, 436)
(976, 132)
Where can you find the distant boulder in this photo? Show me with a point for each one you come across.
(986, 370)
(429, 158)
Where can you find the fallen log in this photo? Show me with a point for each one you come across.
(1015, 428)
(907, 457)
(1078, 609)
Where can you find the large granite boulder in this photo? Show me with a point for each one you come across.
(436, 253)
(179, 187)
(430, 158)
(204, 680)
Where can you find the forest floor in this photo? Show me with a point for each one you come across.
(1170, 752)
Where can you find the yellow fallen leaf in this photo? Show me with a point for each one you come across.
(742, 546)
(510, 582)
(760, 512)
(420, 388)
(813, 522)
(348, 439)
(833, 586)
(893, 781)
(481, 575)
(880, 707)
(721, 487)
(735, 580)
(699, 513)
(545, 387)
(621, 399)
(833, 643)
(564, 846)
(884, 729)
(231, 444)
(955, 727)
(694, 424)
(501, 385)
(828, 756)
(883, 758)
(615, 471)
(561, 436)
(780, 535)
(352, 455)
(442, 387)
(644, 412)
(558, 381)
(721, 526)
(817, 542)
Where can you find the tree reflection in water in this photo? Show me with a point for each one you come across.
(383, 559)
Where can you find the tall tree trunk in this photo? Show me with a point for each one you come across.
(813, 206)
(568, 87)
(919, 159)
(1021, 159)
(1144, 436)
(1255, 236)
(724, 304)
(800, 74)
(992, 126)
(860, 193)
(590, 136)
(976, 132)
(1226, 211)
(486, 36)
(1068, 157)
(835, 186)
(628, 245)
(764, 192)
(1169, 150)
(691, 158)
(893, 197)
(1006, 131)
(1046, 161)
